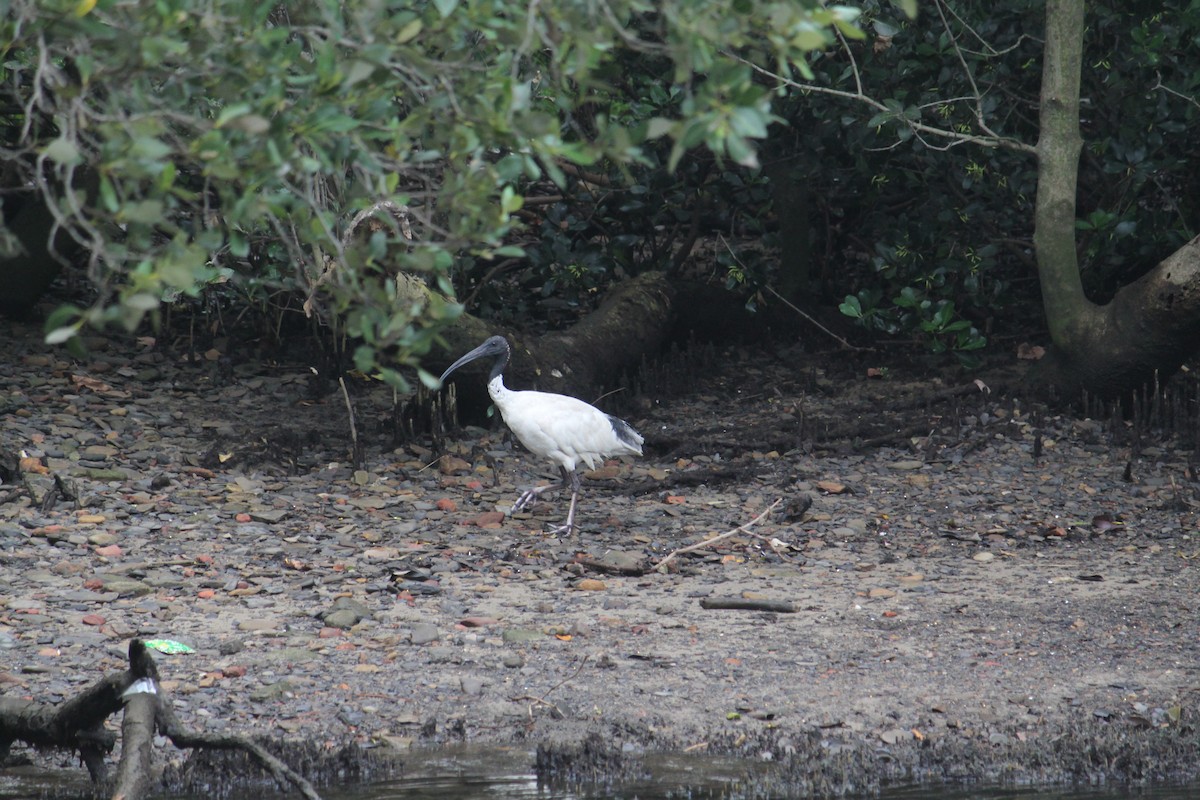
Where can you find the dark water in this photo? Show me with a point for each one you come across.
(497, 773)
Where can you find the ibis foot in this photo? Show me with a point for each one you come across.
(529, 495)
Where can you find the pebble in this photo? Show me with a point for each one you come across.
(423, 633)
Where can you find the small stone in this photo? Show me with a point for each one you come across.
(124, 587)
(345, 619)
(273, 691)
(517, 635)
(423, 633)
(260, 625)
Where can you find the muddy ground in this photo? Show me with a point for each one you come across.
(961, 584)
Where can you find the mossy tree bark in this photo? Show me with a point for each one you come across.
(1151, 326)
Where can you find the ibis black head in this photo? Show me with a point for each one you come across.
(495, 346)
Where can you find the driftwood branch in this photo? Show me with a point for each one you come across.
(78, 724)
(169, 726)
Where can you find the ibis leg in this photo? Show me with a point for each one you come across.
(573, 478)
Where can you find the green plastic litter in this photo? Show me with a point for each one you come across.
(168, 646)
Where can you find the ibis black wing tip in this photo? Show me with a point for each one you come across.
(626, 433)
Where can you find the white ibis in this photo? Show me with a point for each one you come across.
(564, 429)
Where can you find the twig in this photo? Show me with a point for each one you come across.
(955, 137)
(1159, 85)
(542, 700)
(486, 279)
(612, 569)
(350, 411)
(827, 332)
(786, 302)
(743, 528)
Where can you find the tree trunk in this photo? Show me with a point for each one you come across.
(1151, 326)
(630, 325)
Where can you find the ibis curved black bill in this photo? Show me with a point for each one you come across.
(494, 346)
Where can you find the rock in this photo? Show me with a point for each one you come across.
(345, 613)
(518, 635)
(123, 586)
(273, 691)
(229, 647)
(423, 633)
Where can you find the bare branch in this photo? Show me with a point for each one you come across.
(956, 138)
(709, 542)
(1159, 86)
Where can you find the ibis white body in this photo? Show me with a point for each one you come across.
(563, 429)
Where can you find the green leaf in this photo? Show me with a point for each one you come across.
(445, 7)
(741, 151)
(140, 301)
(146, 212)
(108, 195)
(659, 127)
(749, 122)
(809, 37)
(60, 335)
(231, 112)
(63, 151)
(429, 379)
(851, 307)
(409, 31)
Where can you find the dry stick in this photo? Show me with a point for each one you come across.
(743, 528)
(747, 604)
(353, 427)
(542, 700)
(828, 332)
(786, 302)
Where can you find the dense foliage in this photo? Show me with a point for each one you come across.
(928, 201)
(317, 150)
(184, 143)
